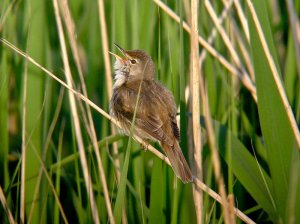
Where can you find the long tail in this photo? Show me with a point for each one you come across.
(178, 162)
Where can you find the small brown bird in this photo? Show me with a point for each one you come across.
(156, 111)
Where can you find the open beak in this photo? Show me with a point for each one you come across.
(121, 49)
(123, 60)
(117, 56)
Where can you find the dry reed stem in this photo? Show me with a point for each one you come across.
(213, 33)
(214, 152)
(231, 206)
(187, 9)
(212, 143)
(244, 77)
(244, 24)
(232, 69)
(104, 38)
(275, 74)
(217, 197)
(200, 184)
(244, 51)
(71, 34)
(75, 117)
(54, 120)
(243, 19)
(237, 34)
(215, 158)
(223, 34)
(6, 208)
(108, 73)
(197, 161)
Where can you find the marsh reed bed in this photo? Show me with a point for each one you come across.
(233, 67)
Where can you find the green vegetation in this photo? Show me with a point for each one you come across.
(78, 169)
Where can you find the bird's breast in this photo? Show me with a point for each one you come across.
(120, 79)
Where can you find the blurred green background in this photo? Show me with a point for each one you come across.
(258, 151)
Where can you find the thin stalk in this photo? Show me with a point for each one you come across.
(245, 77)
(231, 68)
(244, 51)
(243, 19)
(6, 208)
(197, 165)
(213, 33)
(46, 147)
(75, 116)
(50, 183)
(108, 72)
(71, 34)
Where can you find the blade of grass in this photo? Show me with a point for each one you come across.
(177, 188)
(80, 211)
(34, 34)
(138, 176)
(291, 83)
(156, 195)
(277, 122)
(4, 117)
(293, 204)
(58, 172)
(122, 186)
(295, 30)
(272, 67)
(49, 181)
(254, 179)
(5, 12)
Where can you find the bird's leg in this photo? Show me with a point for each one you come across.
(145, 145)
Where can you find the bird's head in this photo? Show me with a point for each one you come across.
(134, 65)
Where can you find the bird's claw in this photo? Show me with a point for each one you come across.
(145, 145)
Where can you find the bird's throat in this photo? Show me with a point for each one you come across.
(120, 78)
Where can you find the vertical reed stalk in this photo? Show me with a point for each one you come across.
(197, 165)
(75, 117)
(71, 34)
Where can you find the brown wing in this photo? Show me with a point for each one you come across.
(156, 110)
(175, 128)
(156, 116)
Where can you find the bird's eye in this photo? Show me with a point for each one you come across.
(133, 61)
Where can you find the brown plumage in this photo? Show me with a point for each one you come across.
(156, 111)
